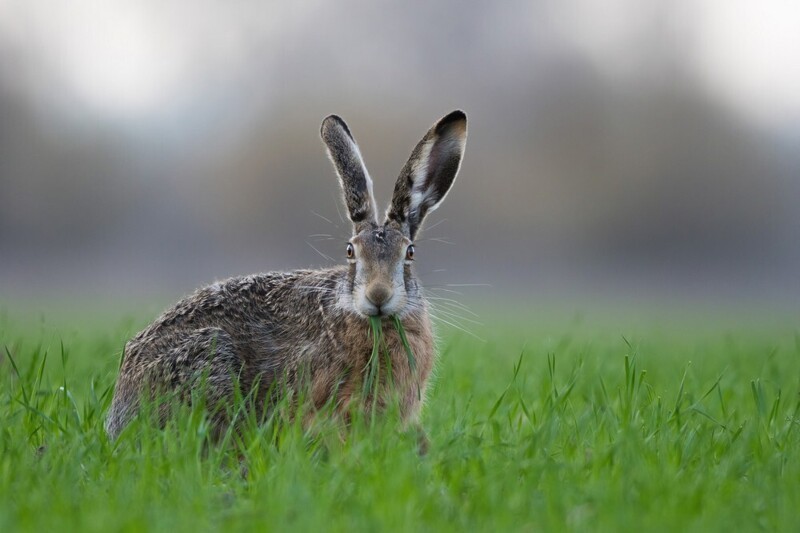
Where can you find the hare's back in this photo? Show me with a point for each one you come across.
(243, 307)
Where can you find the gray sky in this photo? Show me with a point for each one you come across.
(138, 59)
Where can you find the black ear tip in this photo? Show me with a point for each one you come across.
(332, 121)
(452, 118)
(456, 115)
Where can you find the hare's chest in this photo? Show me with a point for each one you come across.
(412, 359)
(389, 369)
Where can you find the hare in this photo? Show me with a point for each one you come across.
(311, 328)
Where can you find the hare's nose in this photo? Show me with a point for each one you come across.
(378, 295)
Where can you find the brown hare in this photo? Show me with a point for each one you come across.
(311, 327)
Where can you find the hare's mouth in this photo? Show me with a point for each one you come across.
(391, 307)
(370, 310)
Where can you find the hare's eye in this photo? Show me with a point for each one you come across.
(410, 252)
(351, 252)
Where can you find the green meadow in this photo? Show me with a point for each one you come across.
(539, 425)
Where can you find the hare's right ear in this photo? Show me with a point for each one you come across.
(429, 173)
(353, 177)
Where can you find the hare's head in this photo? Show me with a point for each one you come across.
(381, 252)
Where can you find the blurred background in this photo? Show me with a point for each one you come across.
(644, 152)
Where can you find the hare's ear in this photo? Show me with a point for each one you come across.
(429, 173)
(353, 177)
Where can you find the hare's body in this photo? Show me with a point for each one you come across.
(267, 333)
(260, 329)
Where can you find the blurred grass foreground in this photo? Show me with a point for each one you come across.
(564, 426)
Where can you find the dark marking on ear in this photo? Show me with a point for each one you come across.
(449, 119)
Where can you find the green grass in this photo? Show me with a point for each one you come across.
(554, 427)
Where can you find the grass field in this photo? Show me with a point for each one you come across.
(539, 427)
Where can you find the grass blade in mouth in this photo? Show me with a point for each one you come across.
(374, 359)
(378, 343)
(412, 361)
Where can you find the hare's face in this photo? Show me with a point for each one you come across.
(381, 253)
(380, 267)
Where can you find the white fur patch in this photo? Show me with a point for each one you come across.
(420, 170)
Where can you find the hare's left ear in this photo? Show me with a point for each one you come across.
(429, 173)
(353, 176)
